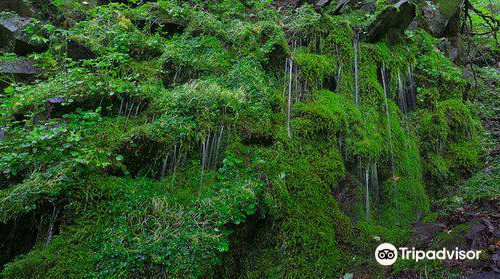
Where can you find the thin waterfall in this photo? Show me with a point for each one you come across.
(211, 147)
(218, 145)
(164, 166)
(356, 77)
(211, 150)
(412, 101)
(402, 95)
(388, 120)
(205, 146)
(367, 191)
(173, 164)
(137, 109)
(121, 107)
(52, 223)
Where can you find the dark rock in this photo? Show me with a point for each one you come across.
(340, 6)
(321, 3)
(17, 69)
(483, 275)
(20, 7)
(449, 48)
(55, 100)
(392, 21)
(476, 229)
(441, 17)
(14, 39)
(77, 51)
(18, 66)
(423, 234)
(165, 27)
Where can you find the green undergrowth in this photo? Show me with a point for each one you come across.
(120, 142)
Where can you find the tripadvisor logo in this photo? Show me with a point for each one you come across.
(387, 254)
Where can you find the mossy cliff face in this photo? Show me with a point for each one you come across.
(225, 139)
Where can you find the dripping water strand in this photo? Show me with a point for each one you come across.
(52, 223)
(413, 101)
(402, 96)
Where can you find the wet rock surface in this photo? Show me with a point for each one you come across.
(14, 39)
(20, 7)
(392, 21)
(440, 18)
(469, 228)
(77, 51)
(18, 66)
(17, 69)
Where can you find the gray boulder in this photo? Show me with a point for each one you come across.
(20, 7)
(17, 69)
(392, 21)
(441, 18)
(14, 39)
(78, 51)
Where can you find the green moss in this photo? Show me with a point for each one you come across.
(448, 7)
(329, 114)
(308, 209)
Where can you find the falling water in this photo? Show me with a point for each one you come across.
(356, 93)
(205, 148)
(402, 95)
(289, 107)
(218, 145)
(173, 164)
(413, 101)
(128, 115)
(137, 109)
(51, 225)
(121, 107)
(211, 148)
(164, 166)
(339, 72)
(388, 120)
(367, 191)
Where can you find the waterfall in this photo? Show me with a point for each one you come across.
(412, 101)
(339, 71)
(367, 191)
(164, 166)
(205, 148)
(137, 109)
(121, 107)
(384, 83)
(128, 115)
(402, 95)
(218, 145)
(356, 90)
(173, 164)
(52, 223)
(211, 148)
